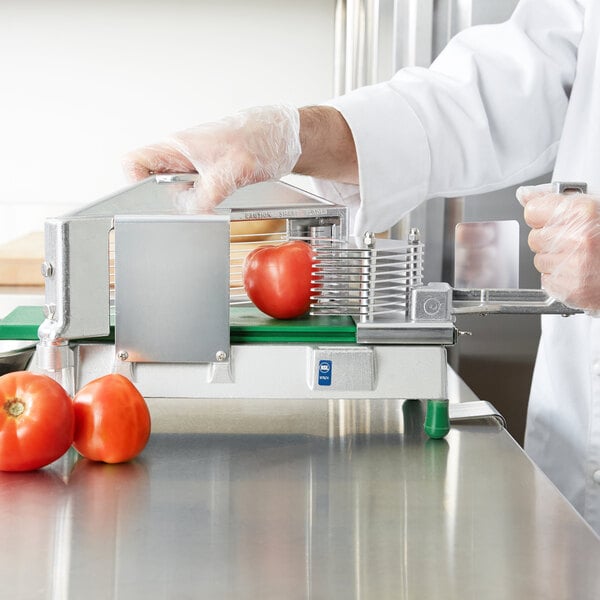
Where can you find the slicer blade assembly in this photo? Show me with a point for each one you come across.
(366, 278)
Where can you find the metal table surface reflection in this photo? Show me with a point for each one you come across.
(312, 499)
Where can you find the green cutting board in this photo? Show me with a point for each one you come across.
(247, 326)
(22, 323)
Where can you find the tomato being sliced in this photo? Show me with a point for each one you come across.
(112, 420)
(278, 279)
(36, 421)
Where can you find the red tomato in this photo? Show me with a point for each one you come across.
(278, 279)
(36, 421)
(112, 420)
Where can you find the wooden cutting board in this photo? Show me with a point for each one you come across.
(21, 260)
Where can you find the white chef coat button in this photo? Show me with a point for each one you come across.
(596, 476)
(596, 367)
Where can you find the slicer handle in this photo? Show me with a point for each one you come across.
(437, 420)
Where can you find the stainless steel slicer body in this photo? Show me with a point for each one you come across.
(135, 286)
(139, 284)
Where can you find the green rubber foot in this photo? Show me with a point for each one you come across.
(437, 421)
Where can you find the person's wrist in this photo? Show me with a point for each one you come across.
(327, 145)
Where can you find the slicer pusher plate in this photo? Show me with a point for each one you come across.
(172, 288)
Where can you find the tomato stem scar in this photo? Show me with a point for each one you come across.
(14, 407)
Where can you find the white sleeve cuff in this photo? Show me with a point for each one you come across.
(393, 155)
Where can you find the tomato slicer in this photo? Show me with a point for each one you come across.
(141, 284)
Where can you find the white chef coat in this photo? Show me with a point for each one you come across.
(500, 105)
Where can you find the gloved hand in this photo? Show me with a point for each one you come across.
(250, 146)
(565, 237)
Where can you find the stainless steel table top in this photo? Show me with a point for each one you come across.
(350, 500)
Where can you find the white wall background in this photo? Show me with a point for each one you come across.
(84, 81)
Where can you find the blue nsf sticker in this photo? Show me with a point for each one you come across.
(324, 372)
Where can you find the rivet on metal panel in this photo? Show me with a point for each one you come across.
(122, 355)
(221, 356)
(432, 306)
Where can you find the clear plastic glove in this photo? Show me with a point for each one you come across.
(257, 144)
(565, 237)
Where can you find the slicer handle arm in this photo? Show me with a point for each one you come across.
(507, 301)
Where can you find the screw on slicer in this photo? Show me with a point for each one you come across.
(49, 310)
(220, 355)
(122, 355)
(414, 236)
(369, 239)
(47, 269)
